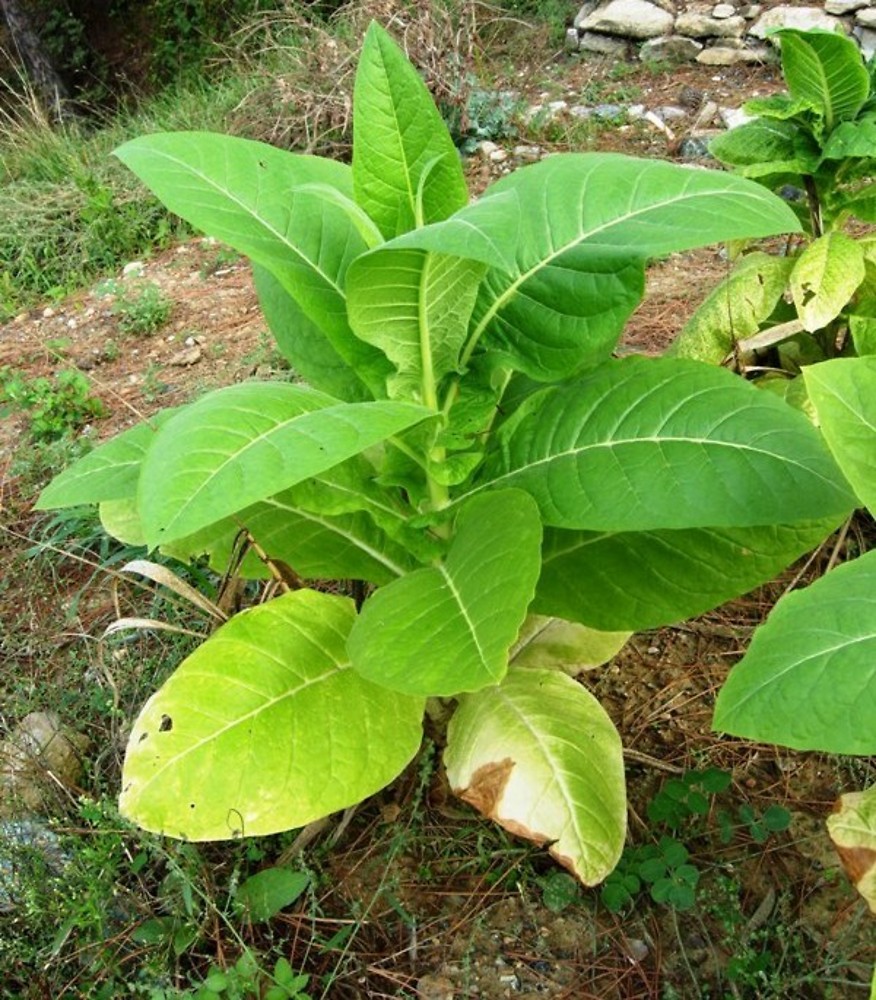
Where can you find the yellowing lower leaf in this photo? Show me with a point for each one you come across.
(555, 644)
(852, 829)
(539, 755)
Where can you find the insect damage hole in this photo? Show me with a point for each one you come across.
(166, 724)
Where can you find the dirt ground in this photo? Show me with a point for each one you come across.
(446, 909)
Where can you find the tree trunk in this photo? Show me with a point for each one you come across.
(47, 83)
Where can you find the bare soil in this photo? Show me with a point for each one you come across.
(448, 908)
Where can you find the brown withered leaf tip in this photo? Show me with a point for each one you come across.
(857, 861)
(485, 792)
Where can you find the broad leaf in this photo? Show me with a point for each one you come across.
(309, 351)
(415, 307)
(110, 472)
(243, 193)
(852, 140)
(827, 69)
(764, 147)
(863, 330)
(406, 170)
(825, 277)
(808, 680)
(539, 755)
(448, 628)
(852, 828)
(263, 727)
(652, 443)
(238, 445)
(735, 309)
(843, 392)
(552, 643)
(265, 894)
(644, 579)
(567, 240)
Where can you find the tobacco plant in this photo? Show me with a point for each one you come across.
(816, 143)
(466, 445)
(808, 681)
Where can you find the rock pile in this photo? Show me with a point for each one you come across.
(715, 34)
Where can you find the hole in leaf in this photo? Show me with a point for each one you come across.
(166, 724)
(143, 736)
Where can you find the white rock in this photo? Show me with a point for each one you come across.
(732, 117)
(670, 48)
(723, 10)
(750, 11)
(584, 13)
(803, 18)
(724, 55)
(134, 269)
(844, 6)
(48, 312)
(630, 19)
(604, 45)
(703, 26)
(867, 40)
(571, 42)
(866, 18)
(670, 113)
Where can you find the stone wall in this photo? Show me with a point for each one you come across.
(715, 34)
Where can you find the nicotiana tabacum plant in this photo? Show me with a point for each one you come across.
(808, 680)
(466, 445)
(816, 143)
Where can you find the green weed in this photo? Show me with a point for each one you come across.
(141, 309)
(54, 406)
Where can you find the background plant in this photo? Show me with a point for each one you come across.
(468, 449)
(54, 406)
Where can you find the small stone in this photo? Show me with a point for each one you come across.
(571, 40)
(629, 19)
(670, 113)
(841, 7)
(431, 987)
(722, 10)
(785, 16)
(867, 40)
(48, 312)
(670, 48)
(134, 269)
(498, 156)
(636, 949)
(750, 11)
(486, 147)
(866, 18)
(694, 148)
(725, 55)
(555, 107)
(702, 26)
(734, 117)
(584, 13)
(527, 154)
(603, 45)
(186, 357)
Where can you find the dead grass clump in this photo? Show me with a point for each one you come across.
(305, 99)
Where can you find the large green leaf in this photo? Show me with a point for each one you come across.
(415, 307)
(852, 140)
(310, 352)
(652, 443)
(110, 472)
(735, 309)
(448, 628)
(567, 239)
(825, 68)
(244, 193)
(644, 579)
(539, 755)
(825, 277)
(406, 170)
(843, 392)
(266, 727)
(808, 680)
(763, 147)
(241, 444)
